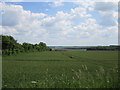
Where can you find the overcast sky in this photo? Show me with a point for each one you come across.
(61, 23)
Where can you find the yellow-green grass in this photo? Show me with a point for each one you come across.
(61, 69)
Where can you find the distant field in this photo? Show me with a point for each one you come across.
(61, 69)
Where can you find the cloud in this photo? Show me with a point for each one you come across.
(62, 15)
(105, 6)
(60, 29)
(107, 19)
(62, 23)
(1, 30)
(57, 3)
(56, 26)
(21, 23)
(110, 35)
(13, 0)
(10, 17)
(104, 0)
(88, 28)
(85, 3)
(107, 12)
(91, 9)
(9, 30)
(14, 15)
(79, 12)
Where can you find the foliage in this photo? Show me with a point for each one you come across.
(10, 46)
(98, 48)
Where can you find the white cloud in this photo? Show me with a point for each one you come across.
(89, 27)
(116, 1)
(11, 15)
(21, 23)
(14, 15)
(59, 29)
(91, 9)
(61, 0)
(9, 30)
(85, 3)
(62, 15)
(57, 3)
(115, 14)
(38, 15)
(61, 24)
(109, 34)
(1, 29)
(13, 0)
(79, 12)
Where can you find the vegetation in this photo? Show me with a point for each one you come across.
(10, 46)
(103, 48)
(113, 48)
(56, 69)
(26, 66)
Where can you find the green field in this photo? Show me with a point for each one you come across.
(61, 69)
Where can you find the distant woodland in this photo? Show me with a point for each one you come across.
(10, 46)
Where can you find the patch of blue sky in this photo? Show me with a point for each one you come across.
(95, 15)
(1, 14)
(35, 7)
(45, 7)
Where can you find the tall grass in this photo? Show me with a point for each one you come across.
(81, 78)
(58, 70)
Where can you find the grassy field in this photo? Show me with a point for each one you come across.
(61, 69)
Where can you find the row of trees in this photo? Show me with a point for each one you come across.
(10, 46)
(107, 48)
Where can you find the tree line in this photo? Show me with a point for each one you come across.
(10, 46)
(104, 48)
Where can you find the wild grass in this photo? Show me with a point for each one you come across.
(96, 69)
(80, 79)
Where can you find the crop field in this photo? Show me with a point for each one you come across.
(61, 69)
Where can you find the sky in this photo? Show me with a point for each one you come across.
(85, 23)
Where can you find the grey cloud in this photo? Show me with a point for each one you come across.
(106, 10)
(118, 6)
(107, 20)
(10, 18)
(105, 6)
